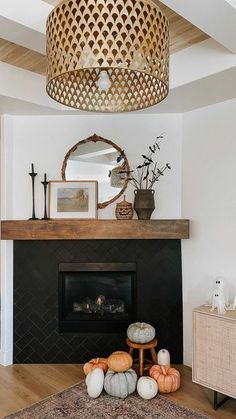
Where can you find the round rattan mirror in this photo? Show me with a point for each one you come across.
(97, 158)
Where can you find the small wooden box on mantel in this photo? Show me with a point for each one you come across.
(214, 350)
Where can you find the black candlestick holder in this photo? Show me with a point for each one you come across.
(45, 185)
(33, 176)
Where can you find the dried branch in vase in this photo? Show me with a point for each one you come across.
(147, 173)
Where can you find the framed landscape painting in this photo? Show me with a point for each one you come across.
(73, 199)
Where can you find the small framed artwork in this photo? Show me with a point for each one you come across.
(73, 199)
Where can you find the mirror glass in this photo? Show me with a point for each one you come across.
(97, 158)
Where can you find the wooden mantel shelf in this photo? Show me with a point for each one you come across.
(94, 229)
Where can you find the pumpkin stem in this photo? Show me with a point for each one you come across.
(163, 369)
(141, 326)
(97, 361)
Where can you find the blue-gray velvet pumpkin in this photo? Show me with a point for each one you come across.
(141, 332)
(120, 384)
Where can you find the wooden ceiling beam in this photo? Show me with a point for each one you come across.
(182, 33)
(22, 57)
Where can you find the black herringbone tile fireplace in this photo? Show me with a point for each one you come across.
(159, 297)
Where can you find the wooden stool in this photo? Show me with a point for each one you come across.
(141, 347)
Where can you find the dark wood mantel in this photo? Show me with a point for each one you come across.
(94, 229)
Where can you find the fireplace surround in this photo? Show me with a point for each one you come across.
(37, 335)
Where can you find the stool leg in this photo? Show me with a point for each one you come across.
(154, 355)
(131, 350)
(141, 357)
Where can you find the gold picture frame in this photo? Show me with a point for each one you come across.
(73, 199)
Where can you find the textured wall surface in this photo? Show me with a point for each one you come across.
(159, 297)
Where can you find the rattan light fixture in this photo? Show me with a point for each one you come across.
(107, 55)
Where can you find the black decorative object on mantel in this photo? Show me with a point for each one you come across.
(33, 175)
(143, 177)
(144, 203)
(45, 185)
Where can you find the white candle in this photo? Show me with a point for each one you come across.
(163, 357)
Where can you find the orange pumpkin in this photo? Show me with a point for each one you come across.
(95, 363)
(167, 378)
(120, 361)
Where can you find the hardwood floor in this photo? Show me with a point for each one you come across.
(23, 385)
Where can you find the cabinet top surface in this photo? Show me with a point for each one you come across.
(204, 309)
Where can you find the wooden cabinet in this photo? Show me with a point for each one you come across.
(214, 350)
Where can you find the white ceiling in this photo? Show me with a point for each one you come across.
(217, 18)
(199, 75)
(22, 35)
(232, 3)
(30, 13)
(13, 106)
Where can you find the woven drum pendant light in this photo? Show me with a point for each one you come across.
(107, 55)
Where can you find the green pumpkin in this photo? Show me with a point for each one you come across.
(120, 384)
(141, 332)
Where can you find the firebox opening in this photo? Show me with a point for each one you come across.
(96, 297)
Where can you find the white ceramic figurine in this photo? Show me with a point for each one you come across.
(218, 302)
(219, 296)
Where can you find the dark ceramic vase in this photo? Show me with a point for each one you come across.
(144, 203)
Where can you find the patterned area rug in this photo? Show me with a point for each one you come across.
(75, 403)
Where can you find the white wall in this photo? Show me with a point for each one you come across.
(209, 201)
(206, 153)
(202, 142)
(6, 247)
(44, 141)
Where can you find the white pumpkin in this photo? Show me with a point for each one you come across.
(94, 382)
(147, 388)
(141, 332)
(163, 357)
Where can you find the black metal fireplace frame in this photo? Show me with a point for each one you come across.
(89, 326)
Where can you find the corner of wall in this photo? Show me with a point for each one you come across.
(6, 358)
(6, 248)
(187, 359)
